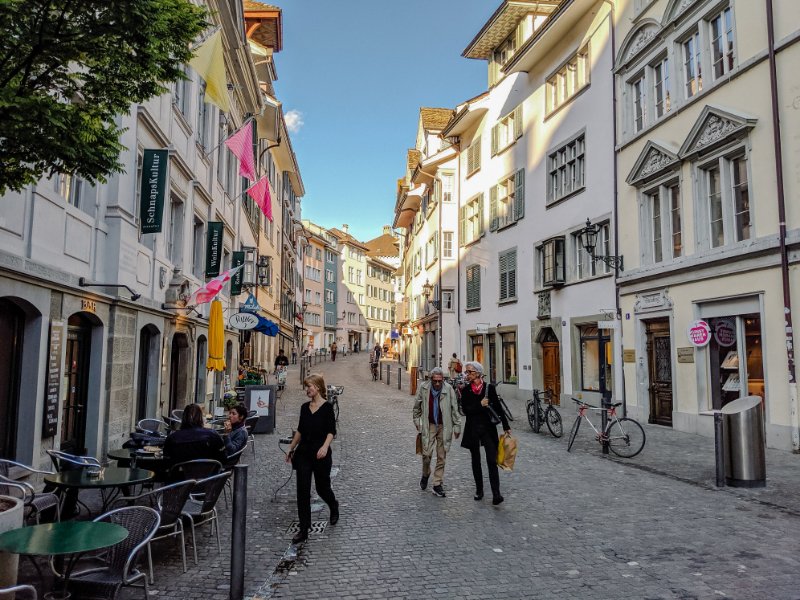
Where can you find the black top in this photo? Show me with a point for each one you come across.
(281, 361)
(314, 428)
(478, 428)
(190, 444)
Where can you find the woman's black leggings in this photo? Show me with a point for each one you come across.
(490, 448)
(321, 470)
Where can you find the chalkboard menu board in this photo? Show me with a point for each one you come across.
(50, 424)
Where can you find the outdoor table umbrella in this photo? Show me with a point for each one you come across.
(216, 344)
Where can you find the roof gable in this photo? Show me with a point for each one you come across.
(637, 40)
(434, 119)
(654, 160)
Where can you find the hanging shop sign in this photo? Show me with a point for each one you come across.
(699, 333)
(153, 188)
(53, 388)
(243, 320)
(237, 259)
(725, 332)
(481, 327)
(214, 248)
(250, 305)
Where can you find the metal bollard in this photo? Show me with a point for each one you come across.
(399, 380)
(388, 374)
(719, 449)
(380, 372)
(238, 532)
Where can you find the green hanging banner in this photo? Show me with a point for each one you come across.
(236, 282)
(153, 188)
(214, 248)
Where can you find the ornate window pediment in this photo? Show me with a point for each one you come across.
(676, 8)
(637, 41)
(714, 128)
(653, 161)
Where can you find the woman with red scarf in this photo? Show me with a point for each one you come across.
(476, 397)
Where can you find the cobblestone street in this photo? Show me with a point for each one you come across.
(573, 525)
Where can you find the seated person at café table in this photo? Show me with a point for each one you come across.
(235, 433)
(193, 440)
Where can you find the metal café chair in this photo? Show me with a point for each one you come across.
(118, 566)
(154, 426)
(199, 511)
(168, 501)
(63, 461)
(177, 414)
(35, 502)
(231, 461)
(30, 591)
(249, 424)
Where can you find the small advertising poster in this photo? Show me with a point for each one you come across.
(725, 332)
(699, 333)
(259, 402)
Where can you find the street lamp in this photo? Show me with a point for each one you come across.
(427, 290)
(263, 271)
(588, 239)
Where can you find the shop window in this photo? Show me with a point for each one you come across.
(509, 341)
(736, 358)
(476, 341)
(595, 355)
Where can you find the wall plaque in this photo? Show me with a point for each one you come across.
(629, 356)
(686, 355)
(53, 384)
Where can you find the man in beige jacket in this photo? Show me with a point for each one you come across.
(437, 419)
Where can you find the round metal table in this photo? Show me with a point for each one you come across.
(113, 478)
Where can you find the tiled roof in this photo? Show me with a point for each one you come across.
(267, 19)
(383, 245)
(252, 5)
(414, 156)
(502, 24)
(435, 118)
(347, 238)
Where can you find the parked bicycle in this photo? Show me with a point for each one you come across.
(549, 415)
(625, 437)
(333, 393)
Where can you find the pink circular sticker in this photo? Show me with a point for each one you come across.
(699, 333)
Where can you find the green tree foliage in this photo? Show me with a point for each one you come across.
(69, 68)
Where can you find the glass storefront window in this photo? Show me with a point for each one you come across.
(477, 348)
(595, 359)
(736, 359)
(509, 341)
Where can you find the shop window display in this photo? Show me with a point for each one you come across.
(736, 358)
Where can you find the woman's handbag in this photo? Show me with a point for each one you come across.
(495, 420)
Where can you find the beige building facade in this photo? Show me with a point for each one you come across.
(709, 277)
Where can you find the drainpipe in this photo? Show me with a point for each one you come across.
(787, 294)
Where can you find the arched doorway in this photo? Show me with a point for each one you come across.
(147, 388)
(178, 370)
(12, 325)
(551, 363)
(200, 377)
(77, 368)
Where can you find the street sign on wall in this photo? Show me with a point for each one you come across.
(243, 320)
(152, 189)
(214, 248)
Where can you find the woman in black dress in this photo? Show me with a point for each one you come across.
(476, 397)
(310, 453)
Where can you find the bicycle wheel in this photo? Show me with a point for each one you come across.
(553, 419)
(336, 408)
(504, 406)
(625, 437)
(530, 409)
(572, 434)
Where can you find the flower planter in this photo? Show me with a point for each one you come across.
(11, 512)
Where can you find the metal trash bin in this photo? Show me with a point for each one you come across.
(743, 440)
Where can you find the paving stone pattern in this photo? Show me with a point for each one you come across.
(573, 525)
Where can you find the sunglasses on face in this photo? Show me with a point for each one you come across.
(470, 371)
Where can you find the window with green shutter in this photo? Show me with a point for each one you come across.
(474, 156)
(473, 287)
(508, 275)
(472, 220)
(507, 130)
(507, 201)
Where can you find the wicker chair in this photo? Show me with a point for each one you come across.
(119, 561)
(30, 591)
(169, 502)
(201, 510)
(35, 502)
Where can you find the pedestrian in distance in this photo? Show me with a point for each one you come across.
(310, 454)
(377, 351)
(476, 398)
(294, 355)
(333, 351)
(454, 366)
(281, 360)
(437, 420)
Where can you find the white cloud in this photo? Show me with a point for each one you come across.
(294, 120)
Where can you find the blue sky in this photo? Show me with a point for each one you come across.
(352, 76)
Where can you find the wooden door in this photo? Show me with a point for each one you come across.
(659, 356)
(551, 370)
(73, 415)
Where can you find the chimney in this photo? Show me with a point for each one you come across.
(346, 228)
(387, 230)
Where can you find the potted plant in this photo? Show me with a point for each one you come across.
(11, 515)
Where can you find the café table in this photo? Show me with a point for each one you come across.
(110, 480)
(68, 538)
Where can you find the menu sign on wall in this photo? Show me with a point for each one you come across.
(53, 384)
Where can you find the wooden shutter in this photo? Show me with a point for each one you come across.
(518, 122)
(494, 139)
(462, 227)
(503, 276)
(519, 194)
(511, 270)
(476, 286)
(480, 215)
(493, 220)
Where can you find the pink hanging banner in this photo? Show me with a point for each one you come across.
(259, 192)
(206, 293)
(241, 144)
(267, 208)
